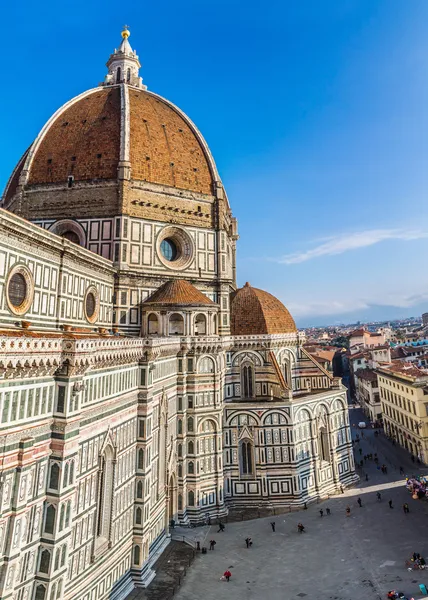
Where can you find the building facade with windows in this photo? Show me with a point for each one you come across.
(367, 392)
(138, 383)
(403, 389)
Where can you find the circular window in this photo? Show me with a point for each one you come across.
(92, 304)
(169, 249)
(20, 289)
(175, 248)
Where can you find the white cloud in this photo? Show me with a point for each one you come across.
(325, 308)
(345, 242)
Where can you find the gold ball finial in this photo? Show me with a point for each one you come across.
(125, 33)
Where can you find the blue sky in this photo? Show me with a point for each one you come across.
(315, 111)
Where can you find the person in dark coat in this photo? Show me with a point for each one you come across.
(273, 525)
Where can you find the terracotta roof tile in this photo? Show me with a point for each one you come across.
(256, 312)
(178, 291)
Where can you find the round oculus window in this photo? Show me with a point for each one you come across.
(91, 304)
(175, 248)
(169, 249)
(19, 289)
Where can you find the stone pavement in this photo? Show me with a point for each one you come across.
(338, 558)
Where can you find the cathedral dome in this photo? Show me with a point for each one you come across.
(84, 140)
(256, 312)
(118, 130)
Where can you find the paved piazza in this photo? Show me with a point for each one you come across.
(339, 558)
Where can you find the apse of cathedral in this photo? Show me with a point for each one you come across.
(138, 384)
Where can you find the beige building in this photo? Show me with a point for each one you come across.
(367, 392)
(403, 391)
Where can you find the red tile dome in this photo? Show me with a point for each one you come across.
(256, 312)
(85, 137)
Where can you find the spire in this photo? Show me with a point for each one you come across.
(123, 65)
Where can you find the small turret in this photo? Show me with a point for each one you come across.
(123, 65)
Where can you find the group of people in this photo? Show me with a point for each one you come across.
(417, 486)
(418, 560)
(392, 595)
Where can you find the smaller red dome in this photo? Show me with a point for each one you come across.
(256, 312)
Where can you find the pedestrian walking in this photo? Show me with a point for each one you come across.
(365, 457)
(362, 435)
(378, 496)
(300, 528)
(367, 477)
(247, 541)
(341, 489)
(212, 544)
(360, 451)
(361, 463)
(359, 502)
(348, 511)
(220, 527)
(328, 511)
(413, 458)
(401, 471)
(273, 525)
(406, 508)
(390, 504)
(386, 470)
(321, 512)
(228, 575)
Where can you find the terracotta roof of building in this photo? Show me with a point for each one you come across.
(405, 369)
(83, 139)
(366, 374)
(178, 292)
(256, 312)
(357, 333)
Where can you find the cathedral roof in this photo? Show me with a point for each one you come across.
(256, 312)
(178, 292)
(119, 124)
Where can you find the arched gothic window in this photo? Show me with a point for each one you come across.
(247, 381)
(63, 554)
(191, 498)
(68, 515)
(190, 448)
(140, 489)
(118, 75)
(191, 468)
(45, 561)
(106, 494)
(50, 519)
(141, 459)
(137, 555)
(180, 470)
(246, 457)
(54, 477)
(65, 480)
(179, 426)
(128, 75)
(180, 502)
(70, 480)
(40, 592)
(190, 424)
(180, 450)
(324, 445)
(138, 516)
(61, 518)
